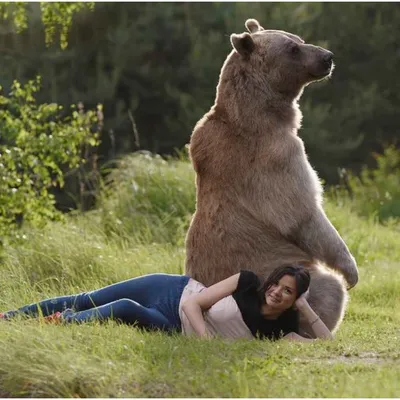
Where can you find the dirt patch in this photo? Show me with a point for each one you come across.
(365, 358)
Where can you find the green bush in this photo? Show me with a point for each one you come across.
(375, 192)
(37, 145)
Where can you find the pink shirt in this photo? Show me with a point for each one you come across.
(223, 319)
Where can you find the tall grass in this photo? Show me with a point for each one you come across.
(149, 199)
(139, 228)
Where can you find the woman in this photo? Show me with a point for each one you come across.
(237, 307)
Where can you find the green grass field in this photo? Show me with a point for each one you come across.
(139, 228)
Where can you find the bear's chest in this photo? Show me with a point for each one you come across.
(269, 157)
(275, 166)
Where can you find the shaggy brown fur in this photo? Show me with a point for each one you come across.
(259, 201)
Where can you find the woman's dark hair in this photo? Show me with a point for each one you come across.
(301, 275)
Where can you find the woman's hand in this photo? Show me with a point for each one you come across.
(302, 300)
(317, 325)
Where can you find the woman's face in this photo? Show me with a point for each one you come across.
(282, 295)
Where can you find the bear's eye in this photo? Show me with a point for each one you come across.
(294, 49)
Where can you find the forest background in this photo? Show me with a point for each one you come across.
(154, 67)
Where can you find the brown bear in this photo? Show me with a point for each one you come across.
(259, 201)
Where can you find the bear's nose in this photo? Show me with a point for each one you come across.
(328, 57)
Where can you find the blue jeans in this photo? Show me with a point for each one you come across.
(149, 301)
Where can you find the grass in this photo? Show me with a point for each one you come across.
(139, 228)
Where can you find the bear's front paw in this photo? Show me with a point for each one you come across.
(351, 275)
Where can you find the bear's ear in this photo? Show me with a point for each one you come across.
(242, 43)
(253, 25)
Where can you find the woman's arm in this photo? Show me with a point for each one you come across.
(320, 330)
(194, 306)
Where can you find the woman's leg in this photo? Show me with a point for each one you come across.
(45, 307)
(151, 291)
(124, 310)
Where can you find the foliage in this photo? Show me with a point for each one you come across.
(111, 360)
(60, 15)
(17, 12)
(376, 192)
(37, 143)
(55, 16)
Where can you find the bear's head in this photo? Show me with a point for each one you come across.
(279, 59)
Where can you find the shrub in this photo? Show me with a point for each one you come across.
(37, 144)
(376, 192)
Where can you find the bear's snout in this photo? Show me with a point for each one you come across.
(326, 61)
(319, 62)
(322, 65)
(328, 58)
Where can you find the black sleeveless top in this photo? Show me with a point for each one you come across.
(250, 304)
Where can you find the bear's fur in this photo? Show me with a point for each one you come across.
(259, 201)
